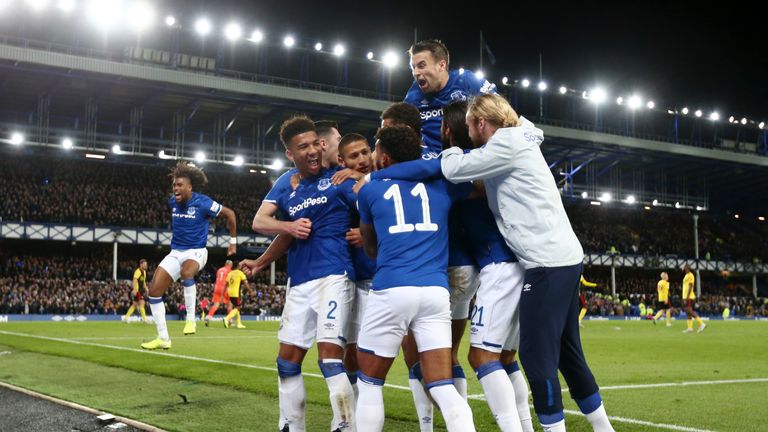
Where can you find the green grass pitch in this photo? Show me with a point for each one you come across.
(653, 377)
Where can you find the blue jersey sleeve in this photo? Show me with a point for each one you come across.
(474, 86)
(458, 192)
(211, 207)
(283, 182)
(418, 169)
(346, 192)
(363, 206)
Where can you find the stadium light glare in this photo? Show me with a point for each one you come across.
(563, 90)
(256, 36)
(67, 143)
(480, 75)
(700, 208)
(105, 13)
(761, 218)
(714, 116)
(630, 199)
(651, 105)
(37, 5)
(684, 111)
(239, 161)
(542, 86)
(318, 46)
(390, 59)
(277, 165)
(744, 120)
(504, 80)
(339, 50)
(233, 31)
(736, 216)
(595, 203)
(634, 102)
(698, 113)
(461, 71)
(203, 26)
(369, 56)
(66, 5)
(730, 119)
(95, 156)
(170, 20)
(619, 100)
(598, 95)
(677, 205)
(605, 197)
(647, 207)
(584, 195)
(116, 148)
(289, 41)
(655, 202)
(199, 157)
(17, 138)
(525, 83)
(141, 16)
(761, 125)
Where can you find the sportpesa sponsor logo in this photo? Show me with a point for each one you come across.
(307, 203)
(426, 115)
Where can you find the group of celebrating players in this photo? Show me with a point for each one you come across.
(453, 216)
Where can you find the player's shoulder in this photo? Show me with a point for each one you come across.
(414, 95)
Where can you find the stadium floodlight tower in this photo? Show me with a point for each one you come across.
(289, 41)
(199, 157)
(339, 50)
(170, 20)
(141, 16)
(598, 95)
(634, 102)
(542, 86)
(203, 26)
(67, 143)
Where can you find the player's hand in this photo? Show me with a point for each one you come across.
(354, 237)
(342, 175)
(360, 183)
(231, 250)
(249, 267)
(301, 228)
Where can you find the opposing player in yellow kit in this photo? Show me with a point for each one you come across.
(662, 303)
(234, 278)
(582, 300)
(689, 295)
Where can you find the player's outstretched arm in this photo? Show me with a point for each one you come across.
(229, 215)
(265, 223)
(275, 250)
(418, 169)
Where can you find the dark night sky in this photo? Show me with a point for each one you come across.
(678, 53)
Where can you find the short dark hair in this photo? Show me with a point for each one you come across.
(349, 139)
(323, 127)
(455, 118)
(435, 46)
(195, 175)
(295, 125)
(403, 113)
(142, 261)
(401, 143)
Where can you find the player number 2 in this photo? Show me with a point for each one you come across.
(333, 306)
(419, 190)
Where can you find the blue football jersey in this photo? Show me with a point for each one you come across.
(460, 87)
(486, 245)
(364, 266)
(330, 208)
(190, 219)
(411, 223)
(458, 244)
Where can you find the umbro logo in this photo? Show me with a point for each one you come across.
(526, 287)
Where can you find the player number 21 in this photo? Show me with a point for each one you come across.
(419, 190)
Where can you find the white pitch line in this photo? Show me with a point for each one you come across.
(167, 354)
(645, 423)
(186, 339)
(474, 396)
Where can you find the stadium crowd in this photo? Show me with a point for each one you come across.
(84, 285)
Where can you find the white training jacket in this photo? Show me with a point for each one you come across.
(522, 195)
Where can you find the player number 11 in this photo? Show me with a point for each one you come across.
(419, 190)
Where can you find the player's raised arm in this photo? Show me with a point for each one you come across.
(275, 250)
(229, 215)
(264, 222)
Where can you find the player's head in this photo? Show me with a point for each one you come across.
(453, 130)
(401, 114)
(302, 145)
(228, 264)
(186, 177)
(686, 268)
(143, 264)
(486, 113)
(328, 131)
(397, 144)
(664, 276)
(355, 153)
(429, 65)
